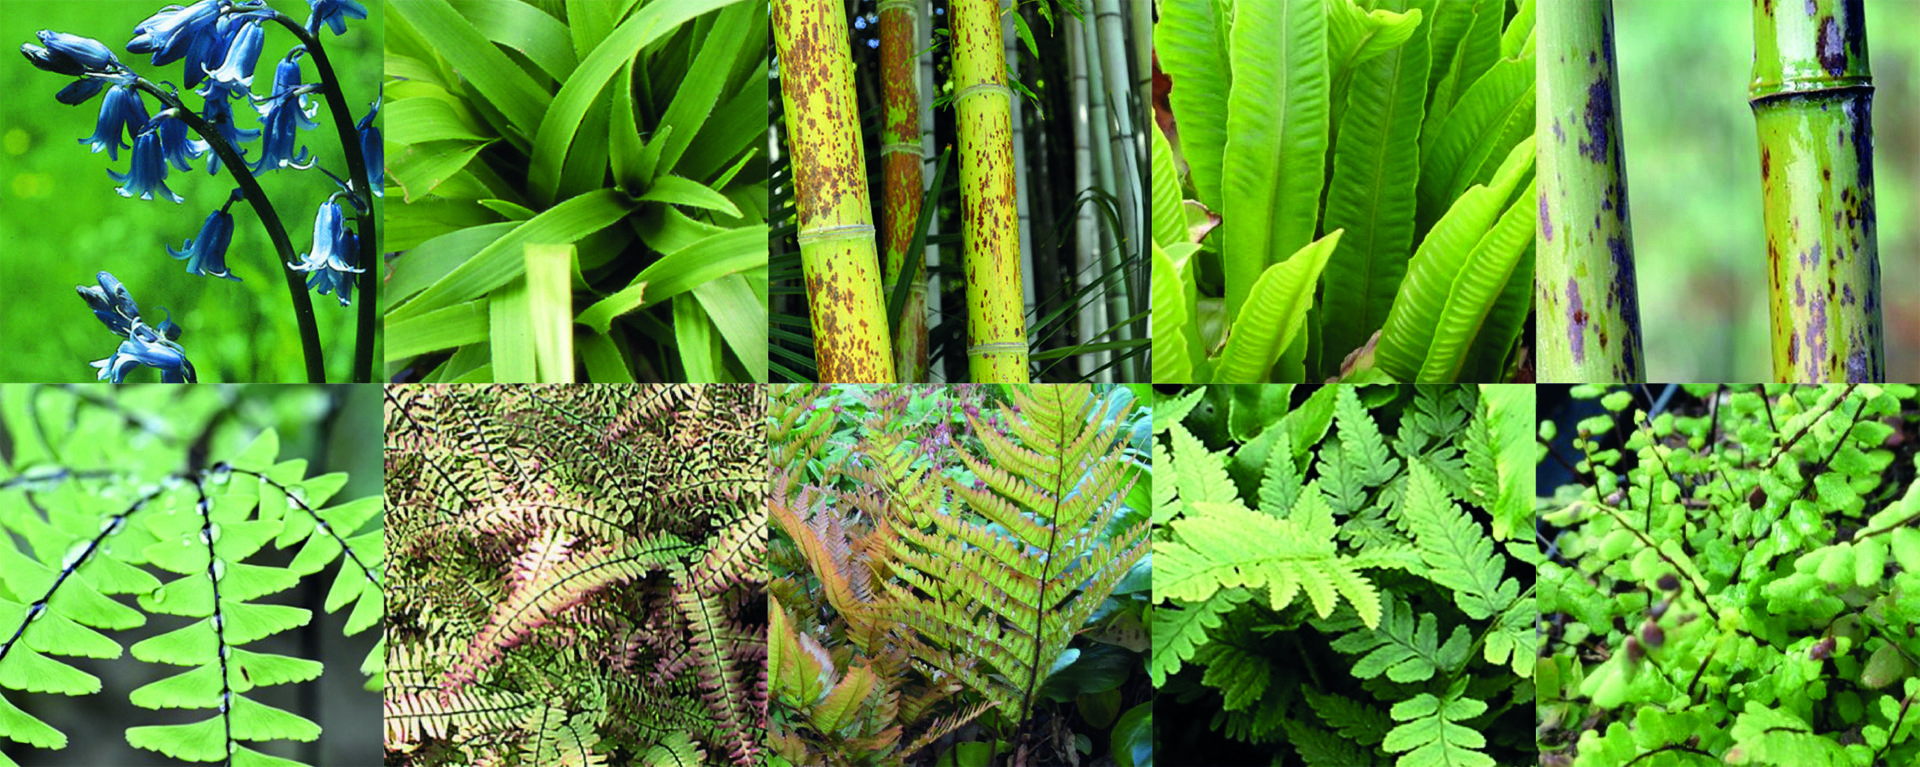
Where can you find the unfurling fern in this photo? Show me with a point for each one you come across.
(582, 575)
(1333, 601)
(99, 522)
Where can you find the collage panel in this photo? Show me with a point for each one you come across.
(578, 574)
(246, 127)
(959, 575)
(1773, 168)
(1727, 574)
(1345, 576)
(190, 575)
(1343, 190)
(958, 191)
(578, 191)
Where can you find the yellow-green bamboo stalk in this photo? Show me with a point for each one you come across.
(996, 316)
(837, 250)
(901, 175)
(1812, 98)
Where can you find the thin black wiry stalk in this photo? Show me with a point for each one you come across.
(276, 231)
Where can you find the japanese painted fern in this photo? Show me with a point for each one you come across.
(147, 494)
(1349, 601)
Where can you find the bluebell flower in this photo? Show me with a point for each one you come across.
(207, 254)
(243, 57)
(147, 347)
(111, 303)
(219, 114)
(335, 254)
(121, 113)
(166, 326)
(175, 144)
(78, 91)
(286, 77)
(170, 34)
(208, 50)
(280, 123)
(148, 172)
(69, 54)
(333, 13)
(373, 150)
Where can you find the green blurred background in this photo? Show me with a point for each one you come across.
(1693, 170)
(61, 220)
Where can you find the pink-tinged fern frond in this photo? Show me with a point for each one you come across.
(720, 679)
(533, 601)
(734, 555)
(411, 718)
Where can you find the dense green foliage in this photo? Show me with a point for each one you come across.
(1329, 173)
(579, 577)
(172, 498)
(1344, 580)
(957, 582)
(1732, 580)
(625, 129)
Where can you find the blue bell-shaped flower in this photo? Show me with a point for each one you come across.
(374, 150)
(67, 54)
(170, 34)
(335, 254)
(243, 56)
(207, 254)
(121, 113)
(148, 172)
(333, 13)
(111, 303)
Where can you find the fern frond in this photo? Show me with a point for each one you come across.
(1458, 553)
(1404, 651)
(1430, 733)
(1226, 545)
(721, 681)
(412, 718)
(1179, 630)
(1354, 720)
(676, 750)
(1320, 748)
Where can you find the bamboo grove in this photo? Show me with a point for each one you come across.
(957, 190)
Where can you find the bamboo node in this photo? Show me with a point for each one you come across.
(834, 233)
(912, 7)
(1000, 347)
(912, 148)
(974, 90)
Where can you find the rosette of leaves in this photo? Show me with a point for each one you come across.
(1730, 577)
(1343, 191)
(204, 520)
(581, 577)
(576, 191)
(1343, 575)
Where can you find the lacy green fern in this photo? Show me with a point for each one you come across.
(1335, 576)
(186, 541)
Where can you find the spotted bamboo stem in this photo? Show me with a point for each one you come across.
(837, 251)
(902, 177)
(1812, 99)
(1588, 301)
(996, 307)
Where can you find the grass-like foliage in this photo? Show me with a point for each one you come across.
(948, 577)
(1344, 579)
(578, 575)
(1351, 182)
(592, 163)
(159, 496)
(1731, 578)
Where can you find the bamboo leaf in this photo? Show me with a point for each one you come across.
(730, 131)
(1416, 311)
(1191, 42)
(1461, 146)
(504, 84)
(1370, 196)
(499, 263)
(603, 359)
(1483, 277)
(680, 191)
(510, 334)
(1277, 134)
(1172, 360)
(568, 109)
(1274, 315)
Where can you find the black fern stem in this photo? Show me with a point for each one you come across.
(368, 314)
(205, 507)
(276, 231)
(115, 524)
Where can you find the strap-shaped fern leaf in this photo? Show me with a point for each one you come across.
(993, 604)
(1431, 734)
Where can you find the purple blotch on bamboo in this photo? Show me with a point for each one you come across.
(1546, 221)
(1857, 365)
(1599, 120)
(1577, 325)
(1832, 49)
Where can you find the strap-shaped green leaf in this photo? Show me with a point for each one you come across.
(1274, 314)
(418, 169)
(694, 98)
(448, 328)
(1277, 113)
(1172, 359)
(1370, 196)
(1474, 132)
(1482, 279)
(1408, 334)
(1497, 344)
(1169, 222)
(1477, 48)
(422, 119)
(733, 250)
(1191, 42)
(738, 308)
(569, 108)
(499, 263)
(680, 191)
(1356, 35)
(533, 32)
(505, 85)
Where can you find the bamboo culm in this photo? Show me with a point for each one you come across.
(1587, 299)
(1094, 316)
(837, 250)
(1114, 286)
(1812, 99)
(996, 309)
(901, 157)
